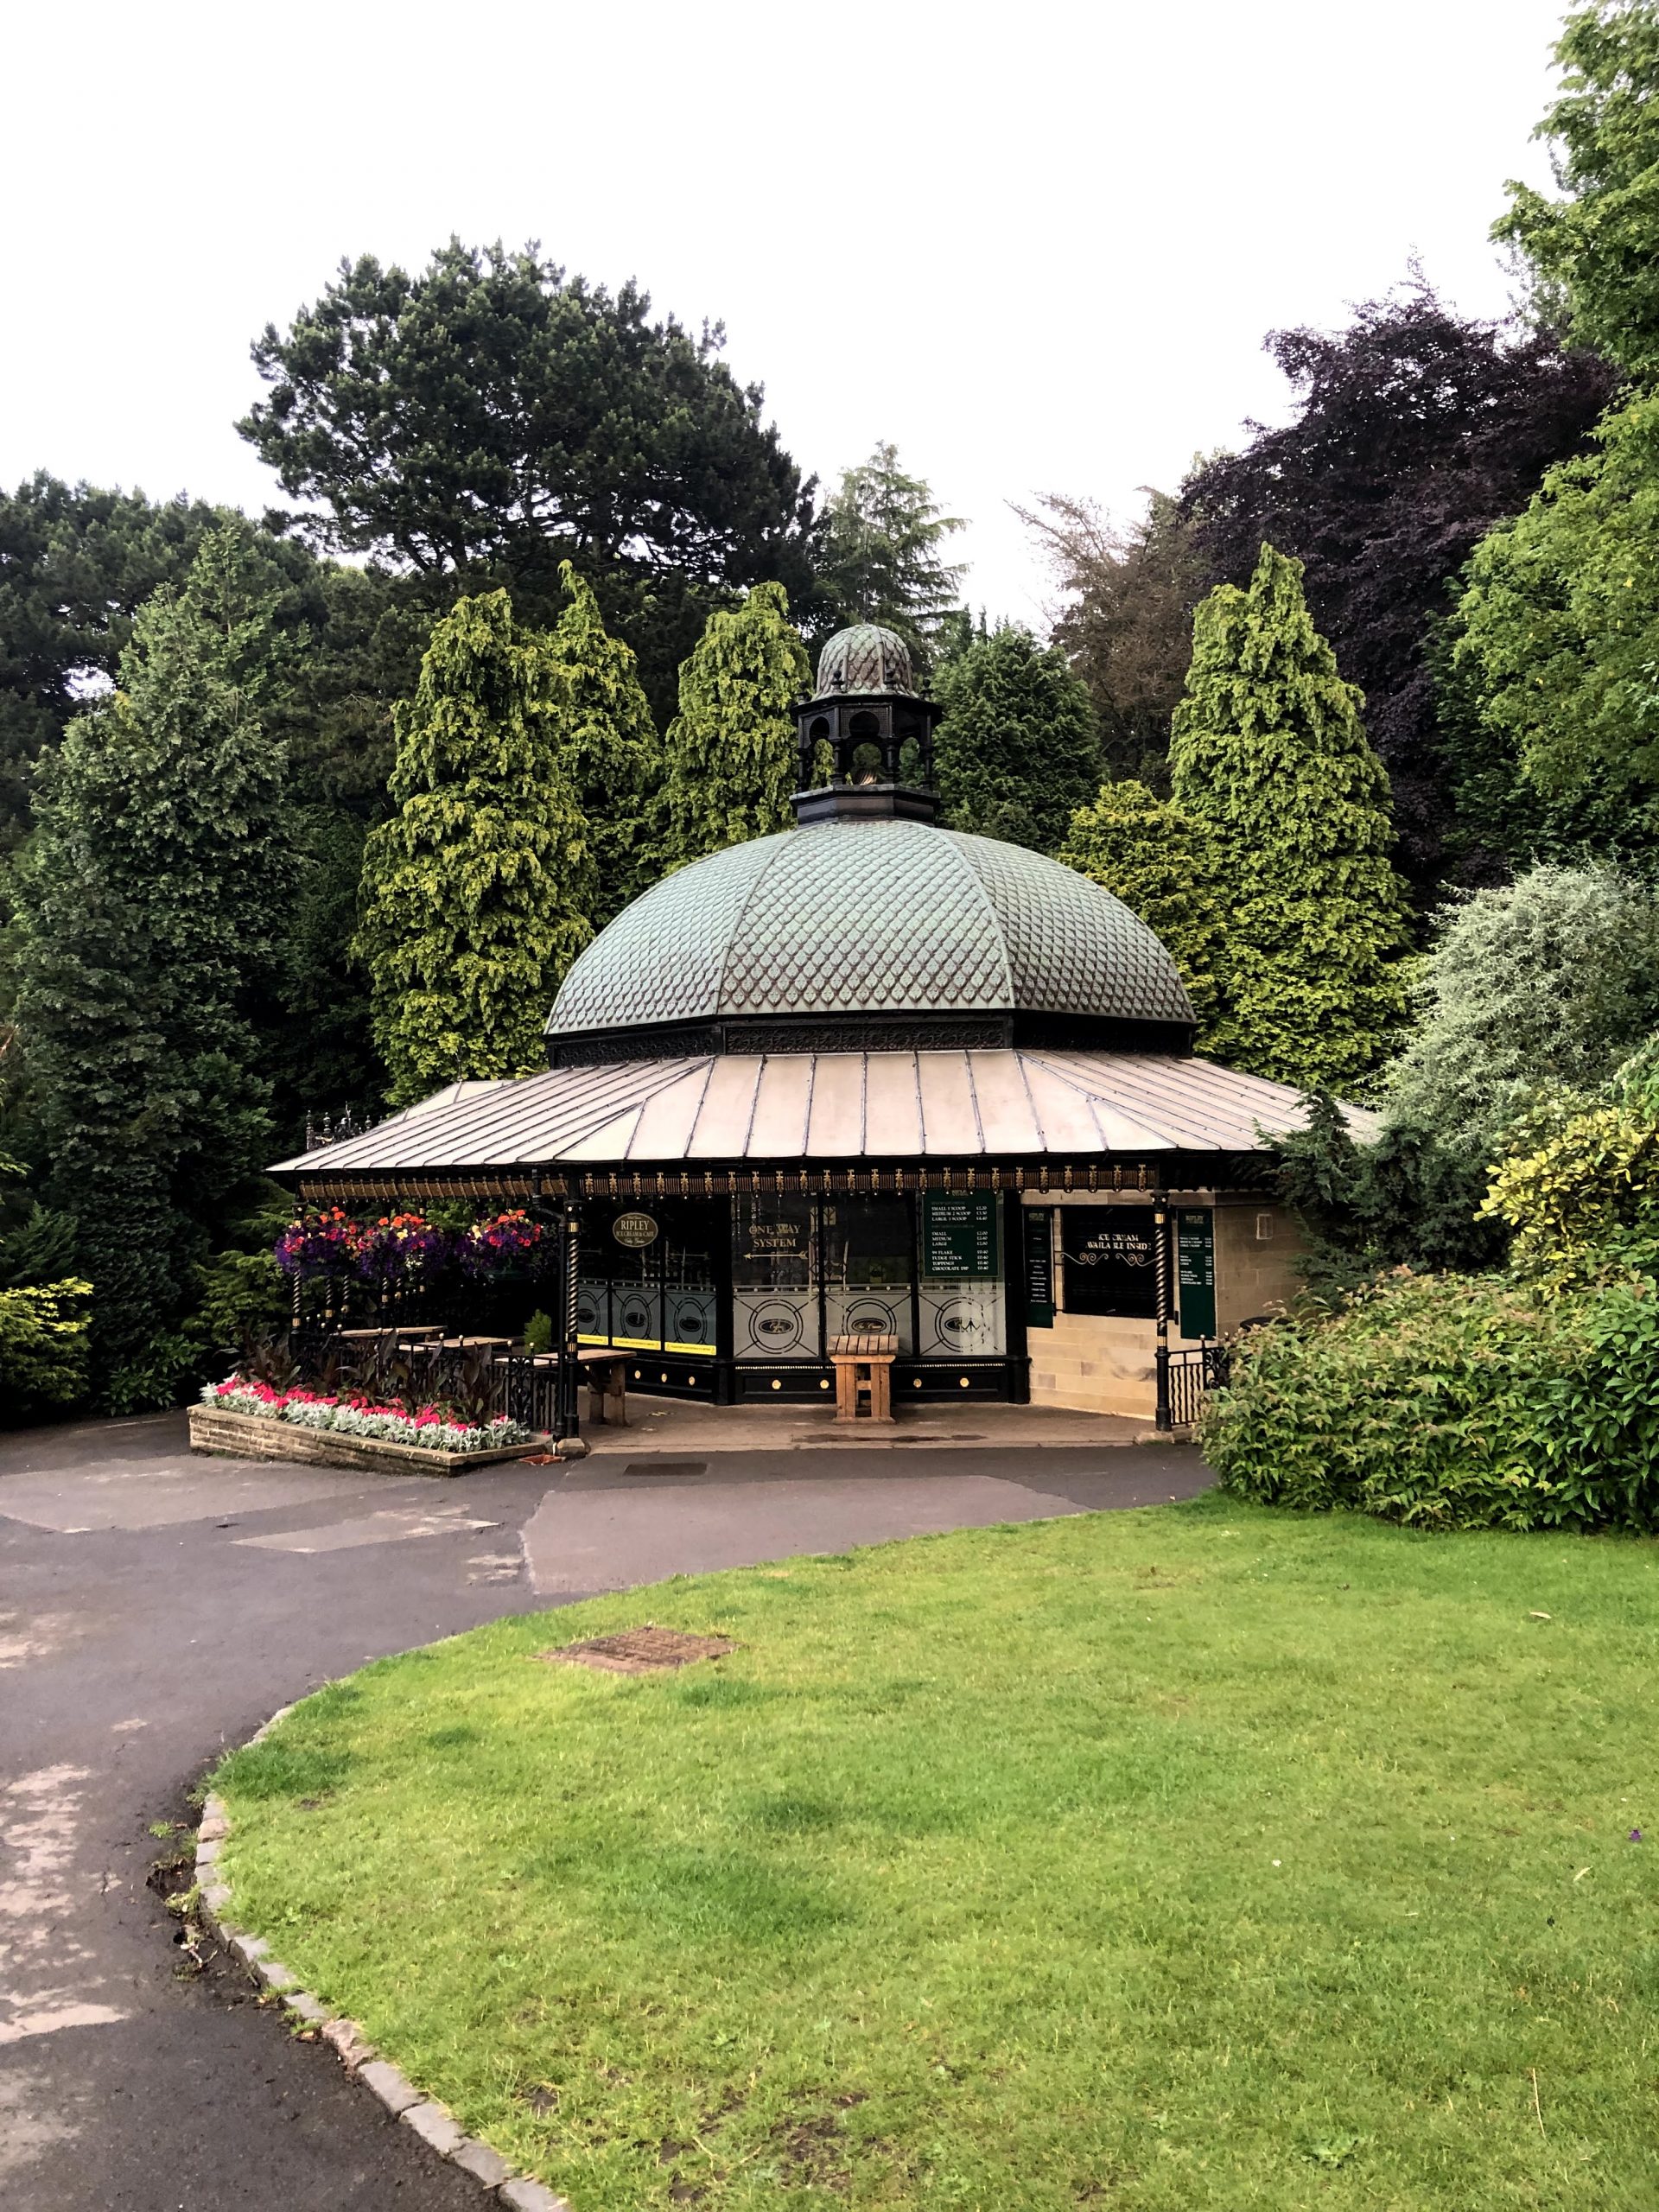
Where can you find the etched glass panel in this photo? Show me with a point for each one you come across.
(774, 1279)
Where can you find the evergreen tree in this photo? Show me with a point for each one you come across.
(878, 556)
(476, 892)
(1548, 982)
(612, 755)
(148, 901)
(1163, 863)
(1017, 752)
(730, 751)
(1268, 754)
(476, 422)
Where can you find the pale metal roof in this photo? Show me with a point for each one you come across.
(833, 1107)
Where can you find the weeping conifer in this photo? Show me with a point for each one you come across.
(730, 751)
(613, 756)
(477, 891)
(1268, 755)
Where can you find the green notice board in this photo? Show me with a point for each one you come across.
(1039, 1223)
(1195, 1253)
(959, 1236)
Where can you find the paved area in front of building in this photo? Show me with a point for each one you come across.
(155, 1607)
(686, 1425)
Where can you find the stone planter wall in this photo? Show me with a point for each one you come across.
(245, 1436)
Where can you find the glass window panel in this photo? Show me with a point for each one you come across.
(774, 1278)
(1110, 1256)
(867, 1266)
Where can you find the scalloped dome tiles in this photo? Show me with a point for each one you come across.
(877, 917)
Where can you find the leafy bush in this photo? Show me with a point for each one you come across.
(158, 1375)
(1452, 1402)
(43, 1343)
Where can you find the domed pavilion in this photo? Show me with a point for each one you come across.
(872, 1074)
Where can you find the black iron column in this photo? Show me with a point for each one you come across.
(1161, 1418)
(568, 1427)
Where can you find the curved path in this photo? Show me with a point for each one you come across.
(155, 1608)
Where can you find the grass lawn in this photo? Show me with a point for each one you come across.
(1196, 1857)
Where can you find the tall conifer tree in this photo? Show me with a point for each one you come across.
(1165, 864)
(613, 755)
(476, 893)
(147, 905)
(1268, 754)
(731, 757)
(1019, 747)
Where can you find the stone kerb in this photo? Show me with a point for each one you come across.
(424, 2116)
(246, 1436)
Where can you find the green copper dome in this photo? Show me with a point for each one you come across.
(867, 657)
(846, 920)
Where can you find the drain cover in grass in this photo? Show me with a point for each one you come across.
(646, 1650)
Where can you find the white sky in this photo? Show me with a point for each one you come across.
(1037, 245)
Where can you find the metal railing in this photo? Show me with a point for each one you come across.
(480, 1382)
(1186, 1379)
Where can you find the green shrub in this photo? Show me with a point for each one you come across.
(43, 1345)
(1452, 1402)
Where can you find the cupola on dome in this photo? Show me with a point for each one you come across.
(867, 657)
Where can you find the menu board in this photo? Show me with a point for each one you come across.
(1195, 1248)
(1040, 1267)
(959, 1236)
(1111, 1260)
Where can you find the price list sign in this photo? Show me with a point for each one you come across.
(1039, 1268)
(959, 1237)
(1195, 1248)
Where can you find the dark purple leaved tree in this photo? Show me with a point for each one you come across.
(1416, 431)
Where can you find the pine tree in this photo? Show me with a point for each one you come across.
(1268, 754)
(147, 905)
(731, 757)
(880, 558)
(1018, 751)
(476, 892)
(1163, 863)
(613, 755)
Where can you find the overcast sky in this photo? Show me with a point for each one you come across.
(1037, 245)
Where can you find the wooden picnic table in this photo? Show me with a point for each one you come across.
(863, 1365)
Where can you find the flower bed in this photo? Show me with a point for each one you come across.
(430, 1429)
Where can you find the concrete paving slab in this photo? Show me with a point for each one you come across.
(388, 1528)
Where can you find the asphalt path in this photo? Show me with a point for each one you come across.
(155, 1608)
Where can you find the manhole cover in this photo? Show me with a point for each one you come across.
(646, 1650)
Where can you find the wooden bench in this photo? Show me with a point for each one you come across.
(863, 1365)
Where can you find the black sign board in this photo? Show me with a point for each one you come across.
(959, 1236)
(1111, 1260)
(1195, 1246)
(1040, 1267)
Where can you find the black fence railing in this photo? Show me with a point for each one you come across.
(1191, 1376)
(477, 1383)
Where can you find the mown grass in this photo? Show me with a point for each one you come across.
(1199, 1856)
